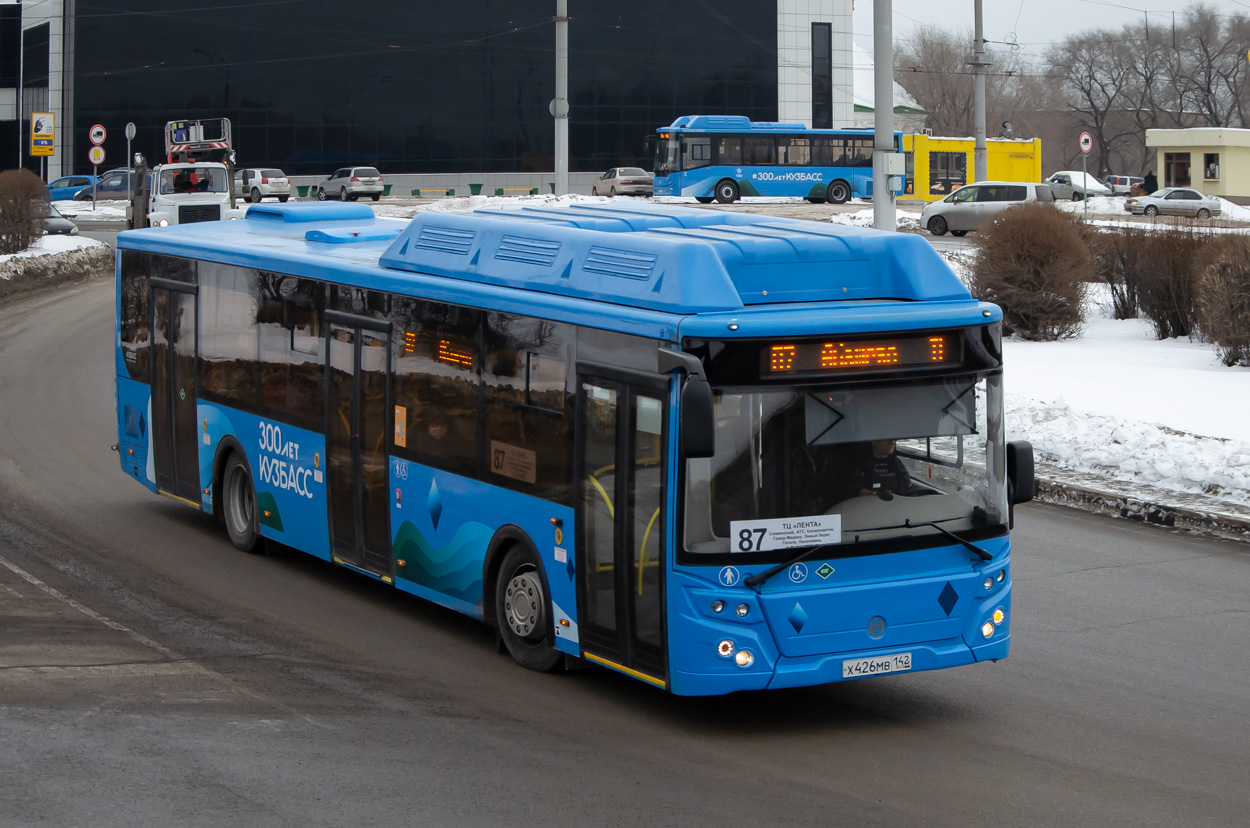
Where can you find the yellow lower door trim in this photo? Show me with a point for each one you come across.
(620, 668)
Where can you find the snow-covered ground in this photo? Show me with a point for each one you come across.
(105, 210)
(48, 246)
(1117, 402)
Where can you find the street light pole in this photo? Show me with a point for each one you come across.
(979, 66)
(560, 106)
(884, 216)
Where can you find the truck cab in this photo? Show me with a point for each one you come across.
(185, 193)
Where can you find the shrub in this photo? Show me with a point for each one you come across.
(1164, 273)
(1031, 262)
(1222, 285)
(1114, 256)
(22, 194)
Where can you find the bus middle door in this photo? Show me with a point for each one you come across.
(357, 458)
(621, 559)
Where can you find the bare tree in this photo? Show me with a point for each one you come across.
(933, 68)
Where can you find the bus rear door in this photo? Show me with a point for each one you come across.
(175, 447)
(621, 448)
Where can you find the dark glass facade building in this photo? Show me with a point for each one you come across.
(418, 87)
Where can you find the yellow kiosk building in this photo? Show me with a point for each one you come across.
(937, 166)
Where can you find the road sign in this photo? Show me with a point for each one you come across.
(96, 155)
(98, 134)
(42, 133)
(130, 130)
(1087, 142)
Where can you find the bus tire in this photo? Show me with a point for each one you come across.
(255, 196)
(523, 611)
(238, 505)
(703, 199)
(937, 226)
(727, 191)
(839, 192)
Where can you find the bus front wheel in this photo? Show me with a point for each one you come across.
(523, 612)
(839, 192)
(239, 505)
(727, 192)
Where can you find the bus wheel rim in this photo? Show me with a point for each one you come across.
(523, 603)
(240, 501)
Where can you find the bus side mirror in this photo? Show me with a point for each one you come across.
(698, 419)
(1020, 482)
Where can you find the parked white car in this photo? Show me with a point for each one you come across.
(973, 205)
(1076, 185)
(255, 184)
(1174, 201)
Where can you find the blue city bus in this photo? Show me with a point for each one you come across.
(726, 157)
(714, 452)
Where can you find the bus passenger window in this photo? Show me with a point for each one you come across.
(696, 152)
(729, 150)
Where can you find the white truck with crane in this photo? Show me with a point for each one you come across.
(194, 183)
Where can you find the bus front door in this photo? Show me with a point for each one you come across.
(356, 450)
(621, 524)
(175, 444)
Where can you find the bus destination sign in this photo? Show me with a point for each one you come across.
(835, 356)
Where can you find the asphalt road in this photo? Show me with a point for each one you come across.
(151, 675)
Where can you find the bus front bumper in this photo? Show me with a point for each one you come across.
(808, 671)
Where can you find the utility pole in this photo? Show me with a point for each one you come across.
(560, 106)
(979, 65)
(884, 216)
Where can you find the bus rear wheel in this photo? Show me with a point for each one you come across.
(523, 612)
(238, 501)
(839, 192)
(727, 192)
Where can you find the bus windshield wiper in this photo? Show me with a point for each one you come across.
(761, 577)
(981, 553)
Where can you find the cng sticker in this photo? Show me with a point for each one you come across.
(824, 570)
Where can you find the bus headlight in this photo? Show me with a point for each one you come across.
(987, 629)
(742, 610)
(989, 583)
(718, 605)
(744, 658)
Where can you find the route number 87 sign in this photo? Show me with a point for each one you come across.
(784, 533)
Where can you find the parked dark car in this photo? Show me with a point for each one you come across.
(113, 184)
(55, 224)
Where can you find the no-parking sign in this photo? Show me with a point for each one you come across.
(98, 134)
(1087, 142)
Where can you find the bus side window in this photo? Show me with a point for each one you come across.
(136, 338)
(696, 152)
(729, 150)
(229, 302)
(436, 361)
(291, 346)
(760, 150)
(527, 404)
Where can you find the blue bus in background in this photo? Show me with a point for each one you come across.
(713, 452)
(727, 157)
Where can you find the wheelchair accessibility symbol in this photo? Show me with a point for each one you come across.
(729, 576)
(798, 573)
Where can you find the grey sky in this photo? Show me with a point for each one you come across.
(1034, 23)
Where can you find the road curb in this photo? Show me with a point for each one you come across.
(1210, 522)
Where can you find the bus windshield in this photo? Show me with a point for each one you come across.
(879, 456)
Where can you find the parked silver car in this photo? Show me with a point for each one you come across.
(1123, 184)
(350, 183)
(1174, 201)
(972, 205)
(256, 184)
(1076, 185)
(623, 181)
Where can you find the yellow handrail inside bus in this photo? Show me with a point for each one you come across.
(642, 550)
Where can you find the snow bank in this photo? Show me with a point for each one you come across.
(53, 260)
(908, 220)
(110, 210)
